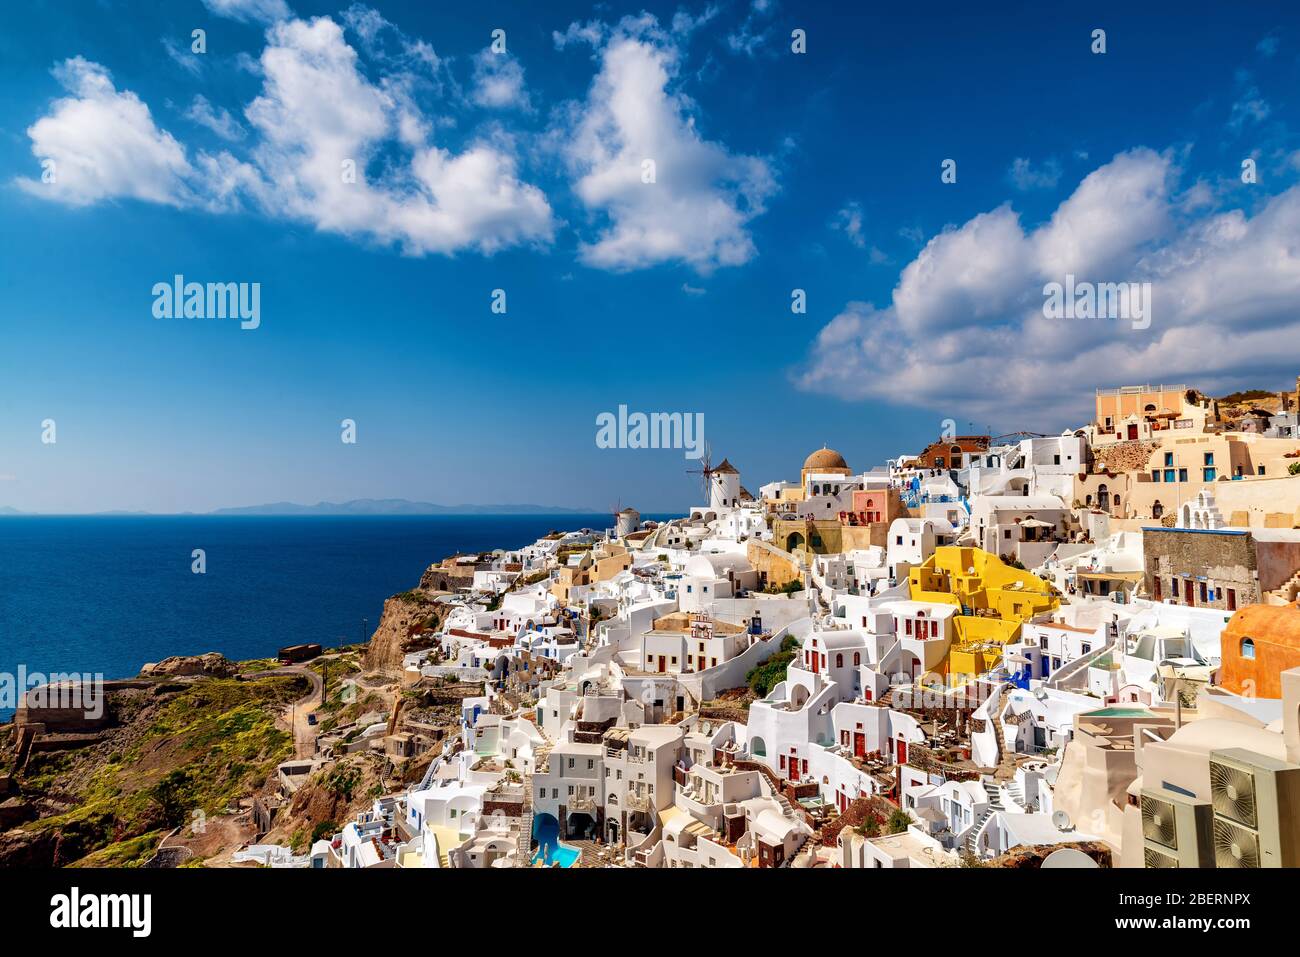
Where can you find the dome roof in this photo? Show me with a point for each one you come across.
(825, 458)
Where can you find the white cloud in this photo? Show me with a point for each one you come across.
(216, 119)
(684, 23)
(383, 42)
(104, 144)
(182, 56)
(316, 112)
(593, 33)
(702, 197)
(966, 329)
(1250, 107)
(250, 11)
(752, 34)
(849, 221)
(499, 81)
(1025, 177)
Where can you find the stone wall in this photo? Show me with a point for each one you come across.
(774, 566)
(1123, 456)
(1225, 558)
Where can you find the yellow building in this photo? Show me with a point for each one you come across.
(995, 599)
(600, 564)
(826, 536)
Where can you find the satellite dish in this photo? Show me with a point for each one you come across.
(1069, 857)
(1061, 820)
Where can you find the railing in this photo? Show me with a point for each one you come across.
(581, 802)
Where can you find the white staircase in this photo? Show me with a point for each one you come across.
(995, 804)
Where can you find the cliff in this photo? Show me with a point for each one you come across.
(408, 623)
(174, 750)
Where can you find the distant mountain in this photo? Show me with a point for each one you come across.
(9, 510)
(395, 506)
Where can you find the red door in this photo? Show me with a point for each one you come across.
(902, 751)
(794, 765)
(859, 744)
(662, 663)
(1132, 431)
(1187, 592)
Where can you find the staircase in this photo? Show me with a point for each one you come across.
(995, 804)
(1016, 793)
(1285, 593)
(525, 845)
(1060, 677)
(541, 754)
(434, 765)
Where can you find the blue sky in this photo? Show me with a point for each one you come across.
(520, 171)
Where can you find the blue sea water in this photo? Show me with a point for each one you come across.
(105, 594)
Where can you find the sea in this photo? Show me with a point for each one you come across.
(105, 594)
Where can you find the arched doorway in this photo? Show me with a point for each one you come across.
(581, 825)
(911, 665)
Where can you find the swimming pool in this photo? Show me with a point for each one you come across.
(546, 831)
(1119, 711)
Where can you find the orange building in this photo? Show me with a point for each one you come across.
(1258, 644)
(947, 453)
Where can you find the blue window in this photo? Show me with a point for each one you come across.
(1248, 648)
(1169, 458)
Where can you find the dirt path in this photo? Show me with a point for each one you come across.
(296, 714)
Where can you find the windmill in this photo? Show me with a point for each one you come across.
(705, 471)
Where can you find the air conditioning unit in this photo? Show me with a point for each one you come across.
(1256, 801)
(1154, 858)
(1176, 829)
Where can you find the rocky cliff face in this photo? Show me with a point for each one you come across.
(1123, 456)
(407, 624)
(210, 665)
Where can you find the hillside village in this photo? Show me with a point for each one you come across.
(990, 651)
